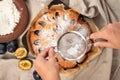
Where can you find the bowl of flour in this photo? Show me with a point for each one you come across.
(13, 19)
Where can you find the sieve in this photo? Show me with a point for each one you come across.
(72, 45)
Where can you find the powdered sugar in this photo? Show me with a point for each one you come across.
(72, 45)
(64, 24)
(52, 36)
(73, 50)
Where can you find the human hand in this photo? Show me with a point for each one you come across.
(111, 35)
(48, 69)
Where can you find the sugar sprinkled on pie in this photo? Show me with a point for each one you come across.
(49, 25)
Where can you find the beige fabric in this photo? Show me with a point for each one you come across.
(101, 12)
(116, 75)
(10, 71)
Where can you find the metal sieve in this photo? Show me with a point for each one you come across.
(72, 45)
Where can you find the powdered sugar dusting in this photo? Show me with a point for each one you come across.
(71, 45)
(62, 26)
(73, 50)
(52, 36)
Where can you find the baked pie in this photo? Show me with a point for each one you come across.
(50, 24)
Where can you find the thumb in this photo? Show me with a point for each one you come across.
(39, 59)
(103, 44)
(51, 52)
(97, 35)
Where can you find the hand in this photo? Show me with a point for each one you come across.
(48, 69)
(111, 34)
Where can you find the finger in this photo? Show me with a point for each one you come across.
(98, 34)
(44, 53)
(103, 44)
(51, 55)
(51, 52)
(39, 59)
(53, 59)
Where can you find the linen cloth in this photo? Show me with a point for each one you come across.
(101, 12)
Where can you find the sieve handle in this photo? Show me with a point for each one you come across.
(100, 40)
(97, 40)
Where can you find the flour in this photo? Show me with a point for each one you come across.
(9, 17)
(73, 50)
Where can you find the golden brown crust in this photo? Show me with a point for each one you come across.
(65, 63)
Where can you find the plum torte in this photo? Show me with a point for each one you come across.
(49, 25)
